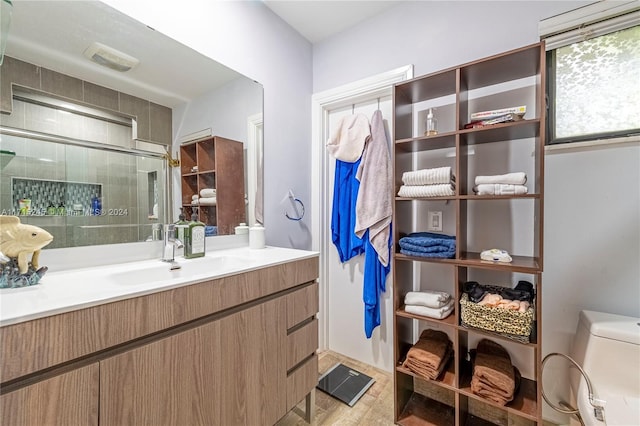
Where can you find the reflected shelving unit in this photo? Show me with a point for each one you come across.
(216, 163)
(510, 222)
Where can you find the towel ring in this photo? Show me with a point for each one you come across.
(297, 200)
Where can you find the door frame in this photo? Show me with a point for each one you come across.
(322, 104)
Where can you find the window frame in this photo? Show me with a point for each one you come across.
(573, 27)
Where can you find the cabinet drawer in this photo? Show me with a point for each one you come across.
(302, 304)
(301, 381)
(301, 343)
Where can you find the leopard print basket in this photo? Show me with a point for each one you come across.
(512, 324)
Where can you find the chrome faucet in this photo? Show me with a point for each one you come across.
(170, 244)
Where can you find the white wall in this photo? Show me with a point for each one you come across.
(226, 119)
(247, 37)
(432, 35)
(592, 202)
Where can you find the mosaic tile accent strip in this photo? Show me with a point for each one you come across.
(68, 198)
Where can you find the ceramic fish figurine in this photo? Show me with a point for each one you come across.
(19, 240)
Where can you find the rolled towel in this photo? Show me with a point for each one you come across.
(210, 201)
(499, 189)
(207, 192)
(194, 197)
(429, 298)
(490, 299)
(517, 178)
(437, 313)
(428, 176)
(439, 190)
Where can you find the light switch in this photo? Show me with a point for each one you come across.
(435, 221)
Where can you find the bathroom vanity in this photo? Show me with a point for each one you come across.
(227, 339)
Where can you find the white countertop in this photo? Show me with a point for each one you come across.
(75, 289)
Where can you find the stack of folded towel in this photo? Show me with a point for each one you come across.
(431, 353)
(437, 182)
(427, 244)
(207, 197)
(508, 184)
(494, 377)
(432, 304)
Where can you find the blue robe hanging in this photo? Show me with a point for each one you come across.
(343, 214)
(375, 283)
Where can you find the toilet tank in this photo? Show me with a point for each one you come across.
(607, 346)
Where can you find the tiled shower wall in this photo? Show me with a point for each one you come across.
(124, 187)
(123, 178)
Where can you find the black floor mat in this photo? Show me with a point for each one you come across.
(345, 384)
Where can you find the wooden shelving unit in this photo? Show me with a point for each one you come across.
(509, 222)
(214, 162)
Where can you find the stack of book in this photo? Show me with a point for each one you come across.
(487, 118)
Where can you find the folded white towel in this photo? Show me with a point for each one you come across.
(209, 201)
(440, 190)
(207, 192)
(499, 189)
(428, 176)
(429, 298)
(194, 197)
(437, 313)
(517, 178)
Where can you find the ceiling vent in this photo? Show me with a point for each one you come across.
(110, 57)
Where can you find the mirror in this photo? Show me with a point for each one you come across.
(172, 97)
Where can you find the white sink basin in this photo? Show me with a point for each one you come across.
(68, 290)
(208, 266)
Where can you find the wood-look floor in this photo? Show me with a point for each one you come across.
(375, 407)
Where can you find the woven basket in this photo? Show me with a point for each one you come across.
(512, 324)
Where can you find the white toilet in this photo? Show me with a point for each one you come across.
(607, 346)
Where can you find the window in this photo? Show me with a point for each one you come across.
(593, 80)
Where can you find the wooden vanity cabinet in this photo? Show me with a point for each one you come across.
(248, 361)
(67, 399)
(226, 372)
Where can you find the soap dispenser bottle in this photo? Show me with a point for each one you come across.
(430, 124)
(182, 226)
(195, 244)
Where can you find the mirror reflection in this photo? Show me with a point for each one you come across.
(87, 149)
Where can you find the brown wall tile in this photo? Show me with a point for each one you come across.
(100, 96)
(139, 108)
(160, 123)
(16, 72)
(62, 85)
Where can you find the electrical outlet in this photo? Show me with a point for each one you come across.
(435, 221)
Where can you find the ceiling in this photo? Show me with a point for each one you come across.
(316, 20)
(55, 34)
